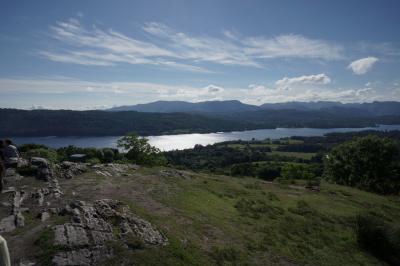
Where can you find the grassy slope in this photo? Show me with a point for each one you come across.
(240, 221)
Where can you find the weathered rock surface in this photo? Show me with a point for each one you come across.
(70, 169)
(173, 173)
(92, 226)
(85, 239)
(113, 169)
(7, 224)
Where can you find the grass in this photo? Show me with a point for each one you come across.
(301, 155)
(221, 220)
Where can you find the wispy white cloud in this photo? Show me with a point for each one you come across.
(111, 93)
(363, 65)
(108, 48)
(171, 48)
(200, 48)
(319, 79)
(292, 46)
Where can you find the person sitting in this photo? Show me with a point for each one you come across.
(2, 174)
(2, 166)
(10, 154)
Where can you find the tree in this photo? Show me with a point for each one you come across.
(370, 163)
(140, 151)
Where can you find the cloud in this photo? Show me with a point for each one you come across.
(292, 46)
(200, 48)
(363, 65)
(319, 79)
(166, 47)
(63, 92)
(108, 48)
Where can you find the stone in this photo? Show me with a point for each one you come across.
(26, 263)
(146, 232)
(91, 227)
(39, 162)
(19, 197)
(19, 220)
(6, 204)
(8, 190)
(7, 224)
(69, 170)
(44, 216)
(39, 196)
(70, 235)
(100, 238)
(82, 256)
(74, 257)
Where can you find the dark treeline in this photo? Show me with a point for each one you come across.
(102, 123)
(310, 118)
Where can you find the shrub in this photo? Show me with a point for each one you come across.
(370, 163)
(31, 146)
(269, 172)
(379, 238)
(48, 154)
(243, 169)
(296, 171)
(108, 155)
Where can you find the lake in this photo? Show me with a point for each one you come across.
(186, 141)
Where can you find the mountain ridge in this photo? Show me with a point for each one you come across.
(235, 106)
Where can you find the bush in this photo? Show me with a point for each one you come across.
(244, 169)
(379, 238)
(48, 154)
(296, 171)
(269, 172)
(370, 163)
(31, 146)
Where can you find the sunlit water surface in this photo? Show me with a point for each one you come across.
(186, 141)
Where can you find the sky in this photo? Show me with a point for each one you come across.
(97, 54)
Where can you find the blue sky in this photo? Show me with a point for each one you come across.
(99, 54)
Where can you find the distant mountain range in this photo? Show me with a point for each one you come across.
(187, 107)
(218, 107)
(160, 118)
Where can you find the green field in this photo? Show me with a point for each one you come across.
(220, 220)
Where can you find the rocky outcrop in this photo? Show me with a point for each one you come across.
(16, 219)
(92, 226)
(113, 169)
(68, 170)
(174, 173)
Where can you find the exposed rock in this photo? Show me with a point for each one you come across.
(69, 235)
(7, 224)
(69, 170)
(81, 256)
(39, 162)
(26, 263)
(19, 220)
(44, 216)
(44, 170)
(75, 257)
(39, 196)
(174, 173)
(19, 197)
(91, 229)
(8, 190)
(113, 169)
